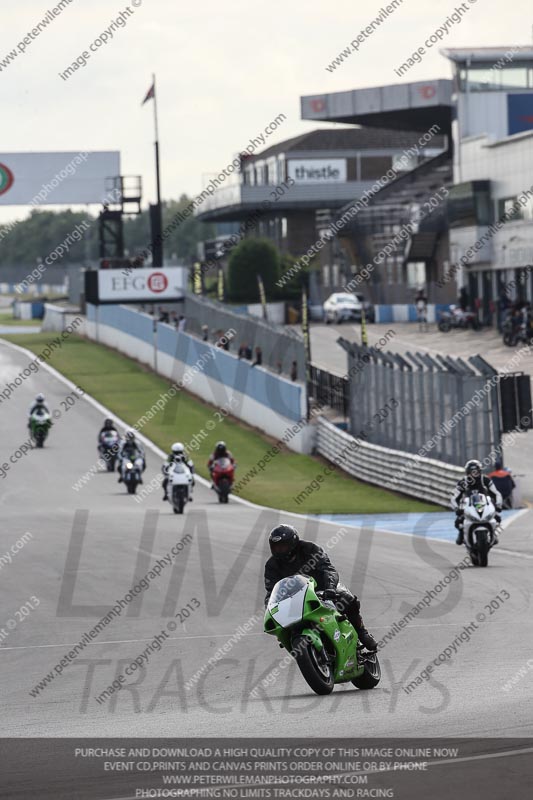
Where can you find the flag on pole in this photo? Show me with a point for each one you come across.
(150, 95)
(197, 283)
(262, 296)
(220, 285)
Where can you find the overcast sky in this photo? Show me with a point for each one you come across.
(224, 70)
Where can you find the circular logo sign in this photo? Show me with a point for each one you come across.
(6, 179)
(427, 92)
(157, 282)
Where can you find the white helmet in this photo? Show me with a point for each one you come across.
(39, 398)
(178, 449)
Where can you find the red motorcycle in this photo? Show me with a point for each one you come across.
(223, 475)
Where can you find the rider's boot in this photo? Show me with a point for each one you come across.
(366, 638)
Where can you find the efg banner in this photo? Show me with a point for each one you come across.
(41, 179)
(135, 285)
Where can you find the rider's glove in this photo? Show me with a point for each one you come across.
(497, 518)
(329, 594)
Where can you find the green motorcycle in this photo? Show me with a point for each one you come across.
(40, 424)
(320, 638)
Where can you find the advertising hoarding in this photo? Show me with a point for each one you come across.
(67, 178)
(136, 285)
(317, 170)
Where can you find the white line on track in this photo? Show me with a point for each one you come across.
(224, 635)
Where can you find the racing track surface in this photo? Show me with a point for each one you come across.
(222, 567)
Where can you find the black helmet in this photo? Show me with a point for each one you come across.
(108, 423)
(283, 541)
(221, 449)
(473, 468)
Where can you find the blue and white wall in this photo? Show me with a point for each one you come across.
(264, 400)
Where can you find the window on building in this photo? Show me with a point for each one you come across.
(416, 274)
(469, 204)
(510, 209)
(271, 176)
(281, 169)
(504, 76)
(373, 167)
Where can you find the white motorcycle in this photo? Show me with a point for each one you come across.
(132, 470)
(480, 525)
(180, 481)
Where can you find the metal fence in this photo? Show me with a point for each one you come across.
(280, 346)
(330, 390)
(441, 408)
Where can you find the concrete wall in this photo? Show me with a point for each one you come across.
(267, 401)
(59, 319)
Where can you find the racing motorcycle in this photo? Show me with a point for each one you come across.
(457, 318)
(132, 473)
(223, 475)
(40, 424)
(480, 527)
(108, 448)
(513, 335)
(321, 640)
(179, 485)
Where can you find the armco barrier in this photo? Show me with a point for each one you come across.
(267, 401)
(423, 478)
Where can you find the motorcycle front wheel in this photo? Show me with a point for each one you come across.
(444, 326)
(482, 548)
(314, 665)
(372, 674)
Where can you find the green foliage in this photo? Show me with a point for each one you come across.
(28, 242)
(31, 240)
(253, 257)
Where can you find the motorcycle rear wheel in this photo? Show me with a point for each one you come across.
(317, 672)
(444, 326)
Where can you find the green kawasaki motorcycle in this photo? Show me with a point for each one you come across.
(40, 424)
(319, 637)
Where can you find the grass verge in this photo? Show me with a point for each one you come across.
(129, 389)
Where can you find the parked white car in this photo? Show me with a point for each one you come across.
(342, 306)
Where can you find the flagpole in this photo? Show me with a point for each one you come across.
(156, 126)
(156, 212)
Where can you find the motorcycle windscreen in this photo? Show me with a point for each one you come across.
(289, 597)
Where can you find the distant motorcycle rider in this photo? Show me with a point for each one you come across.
(474, 481)
(107, 427)
(38, 404)
(220, 451)
(130, 449)
(177, 454)
(292, 555)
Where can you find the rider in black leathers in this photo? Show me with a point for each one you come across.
(474, 481)
(292, 555)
